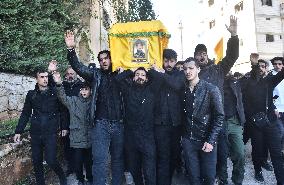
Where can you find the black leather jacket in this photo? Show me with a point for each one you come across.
(205, 122)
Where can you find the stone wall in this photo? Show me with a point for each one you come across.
(13, 90)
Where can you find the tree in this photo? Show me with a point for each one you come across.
(138, 10)
(31, 33)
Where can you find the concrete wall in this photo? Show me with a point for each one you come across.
(13, 90)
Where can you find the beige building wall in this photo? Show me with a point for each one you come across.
(255, 21)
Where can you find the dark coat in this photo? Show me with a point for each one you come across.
(139, 99)
(207, 118)
(256, 89)
(44, 109)
(94, 76)
(237, 90)
(168, 104)
(72, 88)
(215, 74)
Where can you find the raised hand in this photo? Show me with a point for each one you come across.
(17, 138)
(207, 147)
(57, 78)
(69, 39)
(233, 25)
(52, 67)
(120, 69)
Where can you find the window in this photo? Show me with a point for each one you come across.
(268, 18)
(210, 2)
(269, 38)
(266, 2)
(212, 24)
(239, 6)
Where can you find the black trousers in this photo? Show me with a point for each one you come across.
(140, 153)
(68, 153)
(83, 158)
(168, 145)
(45, 144)
(201, 166)
(271, 136)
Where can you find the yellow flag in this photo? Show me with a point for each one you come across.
(219, 51)
(138, 44)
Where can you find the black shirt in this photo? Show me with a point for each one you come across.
(230, 101)
(107, 92)
(189, 102)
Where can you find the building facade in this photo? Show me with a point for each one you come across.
(260, 27)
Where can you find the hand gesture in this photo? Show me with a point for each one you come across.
(52, 67)
(57, 78)
(63, 133)
(207, 147)
(69, 39)
(233, 25)
(17, 138)
(120, 69)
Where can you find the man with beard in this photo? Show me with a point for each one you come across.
(105, 112)
(42, 108)
(168, 123)
(259, 101)
(139, 98)
(215, 74)
(72, 86)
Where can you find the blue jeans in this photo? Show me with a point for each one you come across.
(108, 138)
(201, 166)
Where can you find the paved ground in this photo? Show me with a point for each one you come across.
(249, 174)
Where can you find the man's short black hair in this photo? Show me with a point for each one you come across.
(200, 48)
(180, 62)
(169, 54)
(141, 68)
(277, 58)
(107, 52)
(263, 61)
(190, 59)
(40, 70)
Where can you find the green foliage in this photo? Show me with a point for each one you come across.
(31, 33)
(8, 127)
(138, 10)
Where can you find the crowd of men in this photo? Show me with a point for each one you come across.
(152, 122)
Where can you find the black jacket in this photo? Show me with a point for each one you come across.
(168, 104)
(235, 85)
(95, 76)
(72, 88)
(256, 89)
(139, 99)
(205, 123)
(44, 109)
(215, 74)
